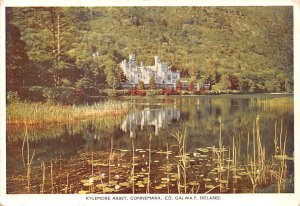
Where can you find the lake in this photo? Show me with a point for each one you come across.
(165, 144)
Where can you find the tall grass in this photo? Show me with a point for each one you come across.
(43, 113)
(29, 159)
(149, 167)
(183, 161)
(133, 164)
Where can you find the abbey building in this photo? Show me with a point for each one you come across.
(161, 72)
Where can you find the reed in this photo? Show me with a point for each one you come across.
(67, 184)
(220, 134)
(149, 165)
(21, 113)
(221, 154)
(182, 163)
(133, 165)
(168, 176)
(51, 177)
(275, 138)
(43, 178)
(110, 158)
(248, 143)
(178, 179)
(258, 168)
(280, 155)
(29, 159)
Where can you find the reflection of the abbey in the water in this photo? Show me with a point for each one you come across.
(159, 118)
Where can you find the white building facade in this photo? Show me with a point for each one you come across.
(161, 72)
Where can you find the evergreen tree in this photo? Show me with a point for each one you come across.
(17, 62)
(140, 85)
(152, 83)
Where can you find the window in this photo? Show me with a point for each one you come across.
(169, 77)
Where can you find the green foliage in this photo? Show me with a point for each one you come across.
(111, 92)
(12, 97)
(191, 84)
(18, 68)
(152, 84)
(87, 85)
(67, 96)
(50, 95)
(140, 85)
(223, 84)
(81, 48)
(44, 113)
(35, 93)
(152, 92)
(122, 77)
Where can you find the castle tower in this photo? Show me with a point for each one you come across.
(132, 58)
(156, 60)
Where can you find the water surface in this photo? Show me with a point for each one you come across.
(112, 154)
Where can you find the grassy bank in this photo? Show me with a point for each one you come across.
(44, 113)
(155, 92)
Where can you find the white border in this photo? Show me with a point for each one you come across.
(74, 200)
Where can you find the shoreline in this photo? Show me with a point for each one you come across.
(41, 113)
(210, 95)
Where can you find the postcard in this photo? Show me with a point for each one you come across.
(149, 102)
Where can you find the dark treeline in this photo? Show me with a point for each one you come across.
(60, 53)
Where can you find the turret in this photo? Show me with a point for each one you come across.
(132, 58)
(156, 60)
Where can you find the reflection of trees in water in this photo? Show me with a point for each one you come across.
(237, 116)
(64, 139)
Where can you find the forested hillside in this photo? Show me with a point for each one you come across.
(53, 50)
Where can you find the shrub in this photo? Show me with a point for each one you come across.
(123, 92)
(178, 85)
(68, 96)
(153, 92)
(186, 92)
(191, 86)
(86, 85)
(132, 91)
(111, 92)
(50, 94)
(152, 84)
(35, 93)
(12, 97)
(141, 92)
(168, 91)
(141, 85)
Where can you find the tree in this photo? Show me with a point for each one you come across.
(140, 85)
(234, 82)
(86, 85)
(111, 71)
(122, 78)
(192, 81)
(112, 80)
(191, 86)
(224, 83)
(17, 62)
(74, 43)
(152, 83)
(178, 85)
